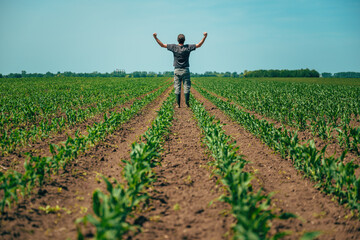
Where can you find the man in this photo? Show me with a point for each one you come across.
(181, 63)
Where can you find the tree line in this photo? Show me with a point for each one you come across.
(142, 74)
(341, 75)
(122, 73)
(282, 73)
(136, 74)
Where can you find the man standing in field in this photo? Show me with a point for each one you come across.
(181, 64)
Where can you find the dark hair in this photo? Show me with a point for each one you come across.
(181, 38)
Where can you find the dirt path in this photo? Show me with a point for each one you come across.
(179, 209)
(72, 191)
(316, 211)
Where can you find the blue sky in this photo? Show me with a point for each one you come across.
(103, 35)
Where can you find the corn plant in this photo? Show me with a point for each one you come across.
(111, 211)
(11, 183)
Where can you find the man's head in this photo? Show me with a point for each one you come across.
(181, 38)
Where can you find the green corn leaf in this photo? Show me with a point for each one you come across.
(285, 216)
(96, 202)
(310, 235)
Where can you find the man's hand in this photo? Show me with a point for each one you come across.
(158, 41)
(202, 40)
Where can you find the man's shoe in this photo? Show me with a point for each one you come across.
(187, 98)
(178, 99)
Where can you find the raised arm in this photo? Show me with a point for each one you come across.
(159, 42)
(202, 40)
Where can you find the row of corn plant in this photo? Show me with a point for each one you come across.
(331, 174)
(32, 112)
(113, 209)
(320, 105)
(348, 136)
(30, 100)
(37, 168)
(251, 209)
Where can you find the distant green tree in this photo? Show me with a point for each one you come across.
(14, 75)
(68, 74)
(246, 72)
(151, 74)
(116, 73)
(314, 73)
(49, 74)
(347, 75)
(234, 75)
(168, 74)
(327, 75)
(210, 74)
(136, 74)
(282, 73)
(227, 74)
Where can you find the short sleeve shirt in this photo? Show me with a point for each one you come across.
(181, 54)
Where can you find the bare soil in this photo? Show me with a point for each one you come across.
(180, 206)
